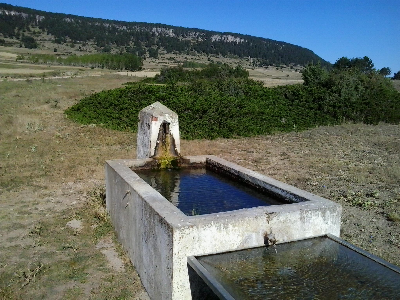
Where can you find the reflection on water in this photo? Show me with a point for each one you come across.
(201, 191)
(317, 268)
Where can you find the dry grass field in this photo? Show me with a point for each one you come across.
(55, 238)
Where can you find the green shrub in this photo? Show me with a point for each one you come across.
(29, 42)
(193, 64)
(353, 94)
(210, 72)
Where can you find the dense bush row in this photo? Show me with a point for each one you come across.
(230, 107)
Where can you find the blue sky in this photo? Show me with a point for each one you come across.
(330, 28)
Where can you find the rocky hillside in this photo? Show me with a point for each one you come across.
(31, 28)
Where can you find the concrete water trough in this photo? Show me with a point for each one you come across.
(159, 237)
(323, 267)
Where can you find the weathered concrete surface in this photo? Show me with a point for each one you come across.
(159, 237)
(151, 120)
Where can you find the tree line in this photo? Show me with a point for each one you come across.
(126, 61)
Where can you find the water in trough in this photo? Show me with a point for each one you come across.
(202, 191)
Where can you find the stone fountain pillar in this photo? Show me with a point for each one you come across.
(158, 132)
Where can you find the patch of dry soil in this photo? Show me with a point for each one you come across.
(49, 165)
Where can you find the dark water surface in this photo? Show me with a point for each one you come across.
(317, 268)
(201, 191)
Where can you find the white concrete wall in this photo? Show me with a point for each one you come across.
(143, 232)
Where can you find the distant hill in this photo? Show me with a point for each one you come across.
(30, 28)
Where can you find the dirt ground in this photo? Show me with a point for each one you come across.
(55, 238)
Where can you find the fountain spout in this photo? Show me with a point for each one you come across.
(158, 135)
(165, 145)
